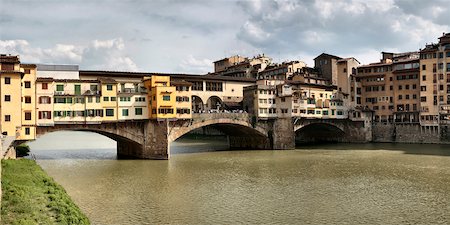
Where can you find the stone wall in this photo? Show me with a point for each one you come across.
(410, 133)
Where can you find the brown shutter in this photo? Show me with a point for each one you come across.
(49, 114)
(40, 115)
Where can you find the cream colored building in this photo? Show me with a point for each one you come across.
(108, 99)
(45, 89)
(132, 101)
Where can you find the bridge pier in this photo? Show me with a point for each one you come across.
(282, 134)
(156, 141)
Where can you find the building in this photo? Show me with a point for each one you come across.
(327, 66)
(11, 95)
(283, 71)
(28, 129)
(223, 64)
(435, 82)
(162, 97)
(183, 99)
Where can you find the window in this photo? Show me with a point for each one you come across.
(7, 80)
(400, 97)
(423, 88)
(27, 131)
(59, 87)
(28, 99)
(447, 54)
(423, 99)
(138, 111)
(7, 98)
(90, 99)
(44, 86)
(399, 87)
(113, 99)
(27, 84)
(165, 111)
(105, 99)
(424, 67)
(414, 86)
(140, 99)
(60, 100)
(406, 96)
(407, 87)
(414, 96)
(97, 99)
(197, 86)
(166, 97)
(214, 86)
(124, 112)
(109, 87)
(27, 115)
(7, 118)
(77, 88)
(424, 77)
(109, 112)
(44, 100)
(27, 71)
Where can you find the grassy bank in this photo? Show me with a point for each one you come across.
(30, 196)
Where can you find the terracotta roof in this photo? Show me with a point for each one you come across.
(328, 55)
(180, 83)
(9, 59)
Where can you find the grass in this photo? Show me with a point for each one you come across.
(30, 196)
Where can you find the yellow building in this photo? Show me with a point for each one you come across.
(10, 93)
(183, 99)
(109, 99)
(162, 97)
(28, 128)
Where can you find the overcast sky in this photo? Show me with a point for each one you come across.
(187, 36)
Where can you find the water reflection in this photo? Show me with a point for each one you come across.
(370, 184)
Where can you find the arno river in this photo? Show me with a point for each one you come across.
(328, 184)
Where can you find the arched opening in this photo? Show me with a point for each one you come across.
(217, 137)
(197, 104)
(82, 144)
(214, 104)
(318, 133)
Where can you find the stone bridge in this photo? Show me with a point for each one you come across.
(335, 130)
(150, 139)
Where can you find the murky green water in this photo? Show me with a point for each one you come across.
(332, 184)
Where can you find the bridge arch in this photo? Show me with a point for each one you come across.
(319, 132)
(128, 136)
(214, 102)
(197, 104)
(229, 126)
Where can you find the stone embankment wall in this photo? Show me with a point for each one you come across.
(410, 133)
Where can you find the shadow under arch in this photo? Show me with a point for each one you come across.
(319, 132)
(238, 136)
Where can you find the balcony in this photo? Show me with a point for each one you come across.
(92, 92)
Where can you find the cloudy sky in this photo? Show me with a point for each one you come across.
(187, 36)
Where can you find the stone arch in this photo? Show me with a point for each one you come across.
(214, 103)
(319, 132)
(228, 126)
(128, 136)
(197, 104)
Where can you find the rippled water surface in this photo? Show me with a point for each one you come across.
(331, 184)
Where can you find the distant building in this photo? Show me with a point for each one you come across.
(435, 82)
(327, 66)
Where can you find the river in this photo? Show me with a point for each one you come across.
(320, 184)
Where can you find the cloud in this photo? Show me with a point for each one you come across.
(98, 54)
(345, 28)
(194, 65)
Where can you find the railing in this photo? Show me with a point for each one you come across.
(221, 115)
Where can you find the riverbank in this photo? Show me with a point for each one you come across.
(30, 196)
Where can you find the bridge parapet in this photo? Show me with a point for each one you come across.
(212, 116)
